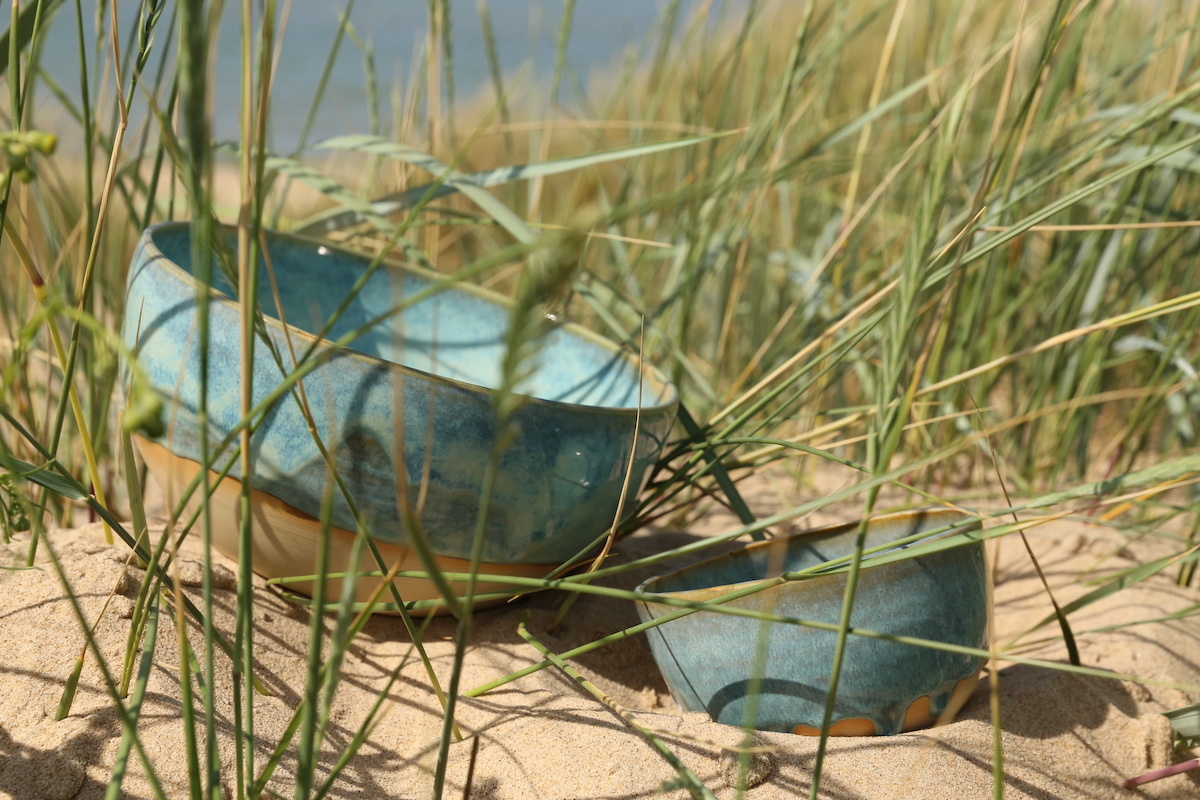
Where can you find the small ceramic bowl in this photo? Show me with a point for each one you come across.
(407, 407)
(711, 661)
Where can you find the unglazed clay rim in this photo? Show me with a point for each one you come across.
(166, 463)
(652, 377)
(970, 522)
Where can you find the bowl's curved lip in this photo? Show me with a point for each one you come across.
(653, 376)
(951, 515)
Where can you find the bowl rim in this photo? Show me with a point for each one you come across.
(974, 521)
(652, 376)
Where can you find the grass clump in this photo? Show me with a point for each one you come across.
(921, 243)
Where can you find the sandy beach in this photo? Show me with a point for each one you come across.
(1064, 736)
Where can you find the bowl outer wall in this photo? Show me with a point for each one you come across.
(558, 485)
(709, 659)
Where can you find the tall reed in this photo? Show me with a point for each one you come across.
(921, 243)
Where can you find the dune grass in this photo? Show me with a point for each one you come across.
(929, 244)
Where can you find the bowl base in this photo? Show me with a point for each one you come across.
(918, 716)
(286, 541)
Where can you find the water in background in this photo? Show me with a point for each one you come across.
(526, 32)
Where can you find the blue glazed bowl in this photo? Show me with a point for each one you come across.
(407, 407)
(711, 661)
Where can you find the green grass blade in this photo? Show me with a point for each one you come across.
(24, 27)
(145, 665)
(329, 222)
(688, 778)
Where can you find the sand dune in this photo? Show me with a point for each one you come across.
(1064, 736)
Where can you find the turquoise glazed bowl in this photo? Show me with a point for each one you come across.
(406, 407)
(711, 661)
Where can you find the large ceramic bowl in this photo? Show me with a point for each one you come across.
(712, 661)
(407, 407)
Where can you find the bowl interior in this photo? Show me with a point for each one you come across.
(457, 334)
(804, 550)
